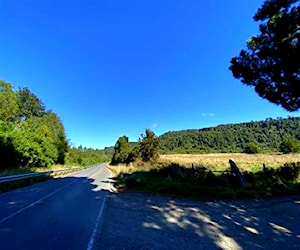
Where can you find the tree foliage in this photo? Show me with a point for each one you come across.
(149, 146)
(8, 154)
(83, 156)
(33, 149)
(252, 148)
(8, 103)
(146, 149)
(29, 104)
(121, 151)
(56, 131)
(271, 62)
(30, 136)
(289, 144)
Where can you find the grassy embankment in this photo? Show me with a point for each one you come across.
(174, 174)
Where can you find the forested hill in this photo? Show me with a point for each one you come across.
(267, 135)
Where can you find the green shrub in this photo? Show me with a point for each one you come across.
(252, 148)
(121, 151)
(33, 149)
(289, 171)
(149, 146)
(289, 145)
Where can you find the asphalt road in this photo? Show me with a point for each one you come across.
(62, 213)
(145, 221)
(68, 213)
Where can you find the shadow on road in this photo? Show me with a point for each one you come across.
(66, 210)
(60, 213)
(137, 221)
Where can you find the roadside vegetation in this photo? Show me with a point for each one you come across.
(202, 176)
(33, 139)
(205, 176)
(145, 151)
(209, 177)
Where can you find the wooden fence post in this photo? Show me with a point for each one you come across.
(235, 170)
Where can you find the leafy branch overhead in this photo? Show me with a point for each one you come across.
(271, 62)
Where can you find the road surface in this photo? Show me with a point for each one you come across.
(145, 221)
(62, 213)
(68, 213)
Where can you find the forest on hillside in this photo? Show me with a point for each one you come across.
(266, 135)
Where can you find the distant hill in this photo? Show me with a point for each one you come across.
(267, 134)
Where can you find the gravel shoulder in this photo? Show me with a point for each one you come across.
(140, 221)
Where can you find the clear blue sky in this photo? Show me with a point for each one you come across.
(115, 67)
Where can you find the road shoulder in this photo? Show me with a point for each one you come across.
(139, 221)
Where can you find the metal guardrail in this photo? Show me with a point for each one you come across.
(32, 175)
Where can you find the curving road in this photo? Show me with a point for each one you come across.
(62, 213)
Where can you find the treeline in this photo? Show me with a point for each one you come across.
(33, 136)
(262, 136)
(86, 156)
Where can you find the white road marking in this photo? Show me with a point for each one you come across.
(96, 227)
(93, 235)
(39, 200)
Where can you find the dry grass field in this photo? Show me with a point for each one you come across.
(219, 162)
(216, 162)
(121, 169)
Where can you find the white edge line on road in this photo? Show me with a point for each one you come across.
(37, 201)
(34, 203)
(93, 235)
(96, 227)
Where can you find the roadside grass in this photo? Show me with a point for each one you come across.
(128, 169)
(202, 182)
